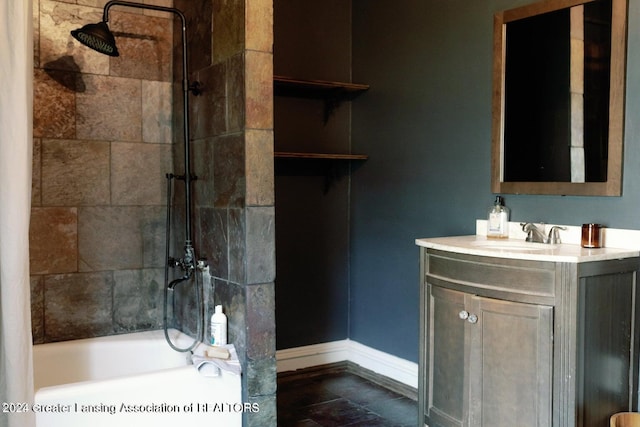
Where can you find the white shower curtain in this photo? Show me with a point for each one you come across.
(16, 118)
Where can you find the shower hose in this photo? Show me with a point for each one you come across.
(170, 286)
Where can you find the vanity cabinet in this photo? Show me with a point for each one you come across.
(513, 342)
(480, 336)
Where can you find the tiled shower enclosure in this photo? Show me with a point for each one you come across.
(107, 130)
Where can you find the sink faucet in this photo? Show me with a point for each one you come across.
(534, 234)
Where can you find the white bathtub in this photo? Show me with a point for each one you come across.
(130, 380)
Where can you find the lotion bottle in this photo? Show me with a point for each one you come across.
(498, 220)
(218, 327)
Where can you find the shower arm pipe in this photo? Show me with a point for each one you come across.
(185, 90)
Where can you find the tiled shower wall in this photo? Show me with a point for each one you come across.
(103, 130)
(102, 146)
(232, 130)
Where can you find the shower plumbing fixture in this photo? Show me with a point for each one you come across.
(186, 264)
(99, 38)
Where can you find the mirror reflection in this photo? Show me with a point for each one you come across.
(558, 84)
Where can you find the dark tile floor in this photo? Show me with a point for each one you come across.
(341, 398)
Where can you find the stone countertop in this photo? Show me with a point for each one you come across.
(520, 249)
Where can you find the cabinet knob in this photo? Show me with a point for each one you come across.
(472, 318)
(464, 314)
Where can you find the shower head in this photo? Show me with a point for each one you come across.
(98, 37)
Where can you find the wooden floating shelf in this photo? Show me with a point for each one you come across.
(329, 156)
(319, 87)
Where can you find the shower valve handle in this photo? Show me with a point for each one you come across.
(184, 265)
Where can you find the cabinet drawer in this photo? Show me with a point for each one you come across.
(496, 276)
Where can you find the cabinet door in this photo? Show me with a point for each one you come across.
(445, 403)
(511, 364)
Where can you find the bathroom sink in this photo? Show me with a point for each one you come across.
(512, 245)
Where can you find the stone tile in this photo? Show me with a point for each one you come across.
(36, 173)
(259, 168)
(259, 90)
(53, 237)
(227, 29)
(156, 112)
(75, 172)
(401, 410)
(37, 309)
(58, 48)
(186, 306)
(93, 3)
(233, 300)
(138, 173)
(178, 219)
(214, 240)
(147, 12)
(380, 422)
(341, 412)
(204, 167)
(267, 416)
(209, 116)
(165, 3)
(137, 299)
(153, 223)
(357, 389)
(259, 25)
(145, 44)
(109, 109)
(237, 246)
(229, 172)
(110, 238)
(236, 90)
(54, 104)
(77, 305)
(199, 23)
(303, 391)
(177, 104)
(261, 322)
(260, 241)
(334, 398)
(36, 32)
(260, 376)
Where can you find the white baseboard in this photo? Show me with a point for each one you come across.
(382, 363)
(292, 359)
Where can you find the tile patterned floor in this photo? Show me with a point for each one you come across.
(337, 399)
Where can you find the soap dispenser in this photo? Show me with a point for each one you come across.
(498, 220)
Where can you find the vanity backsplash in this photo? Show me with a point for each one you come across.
(612, 237)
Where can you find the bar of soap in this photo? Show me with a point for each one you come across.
(218, 352)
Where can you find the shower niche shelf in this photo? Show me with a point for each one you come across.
(332, 93)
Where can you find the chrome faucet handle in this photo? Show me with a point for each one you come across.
(554, 235)
(534, 234)
(526, 226)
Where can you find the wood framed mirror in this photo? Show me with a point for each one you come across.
(558, 98)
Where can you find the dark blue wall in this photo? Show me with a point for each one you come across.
(312, 40)
(426, 125)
